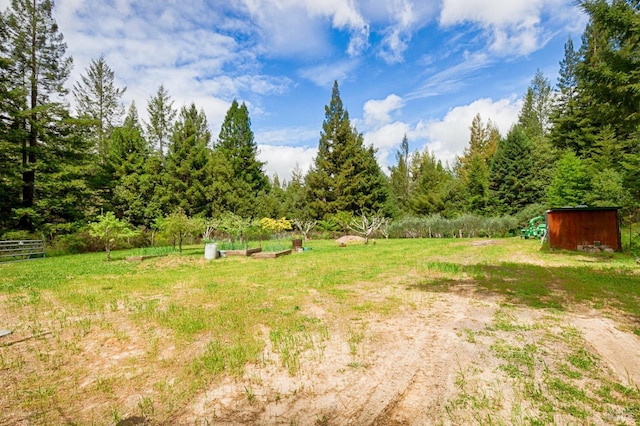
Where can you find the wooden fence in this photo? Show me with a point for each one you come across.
(21, 250)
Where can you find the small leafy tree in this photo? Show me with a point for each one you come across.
(110, 230)
(343, 219)
(277, 226)
(234, 225)
(178, 226)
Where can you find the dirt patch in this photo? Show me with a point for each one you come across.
(620, 350)
(426, 364)
(392, 355)
(350, 239)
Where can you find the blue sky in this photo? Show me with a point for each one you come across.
(416, 67)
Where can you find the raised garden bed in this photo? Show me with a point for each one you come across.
(270, 254)
(245, 252)
(141, 258)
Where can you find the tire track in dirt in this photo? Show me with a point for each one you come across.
(620, 350)
(409, 388)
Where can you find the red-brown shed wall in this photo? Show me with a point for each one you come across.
(567, 229)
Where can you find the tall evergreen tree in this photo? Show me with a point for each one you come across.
(187, 163)
(477, 186)
(610, 69)
(345, 175)
(431, 192)
(472, 167)
(161, 118)
(535, 115)
(571, 183)
(238, 149)
(65, 169)
(295, 200)
(483, 142)
(569, 128)
(98, 99)
(512, 181)
(400, 176)
(39, 69)
(10, 139)
(129, 153)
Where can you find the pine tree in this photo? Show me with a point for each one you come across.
(238, 149)
(400, 179)
(345, 175)
(295, 196)
(129, 152)
(65, 169)
(270, 202)
(98, 99)
(571, 182)
(483, 142)
(607, 190)
(609, 72)
(568, 131)
(187, 163)
(432, 185)
(10, 139)
(39, 69)
(472, 167)
(512, 182)
(609, 83)
(477, 186)
(161, 118)
(535, 115)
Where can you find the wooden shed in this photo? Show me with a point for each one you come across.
(583, 228)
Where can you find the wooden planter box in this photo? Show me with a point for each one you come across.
(270, 254)
(245, 252)
(141, 258)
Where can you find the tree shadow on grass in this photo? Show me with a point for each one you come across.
(541, 287)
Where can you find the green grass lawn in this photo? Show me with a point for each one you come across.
(195, 322)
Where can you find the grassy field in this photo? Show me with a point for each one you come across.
(97, 342)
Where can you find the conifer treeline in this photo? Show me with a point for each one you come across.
(575, 143)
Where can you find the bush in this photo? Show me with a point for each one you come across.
(529, 212)
(468, 226)
(71, 244)
(20, 235)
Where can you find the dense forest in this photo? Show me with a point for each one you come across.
(576, 142)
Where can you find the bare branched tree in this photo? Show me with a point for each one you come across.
(365, 226)
(305, 226)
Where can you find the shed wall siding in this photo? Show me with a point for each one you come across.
(567, 229)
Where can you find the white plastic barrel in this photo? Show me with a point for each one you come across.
(210, 251)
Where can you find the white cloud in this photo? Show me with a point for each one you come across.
(288, 136)
(387, 136)
(380, 131)
(282, 160)
(282, 149)
(490, 12)
(182, 48)
(379, 111)
(398, 35)
(298, 27)
(324, 75)
(452, 78)
(448, 137)
(511, 27)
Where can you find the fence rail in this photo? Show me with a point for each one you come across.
(21, 250)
